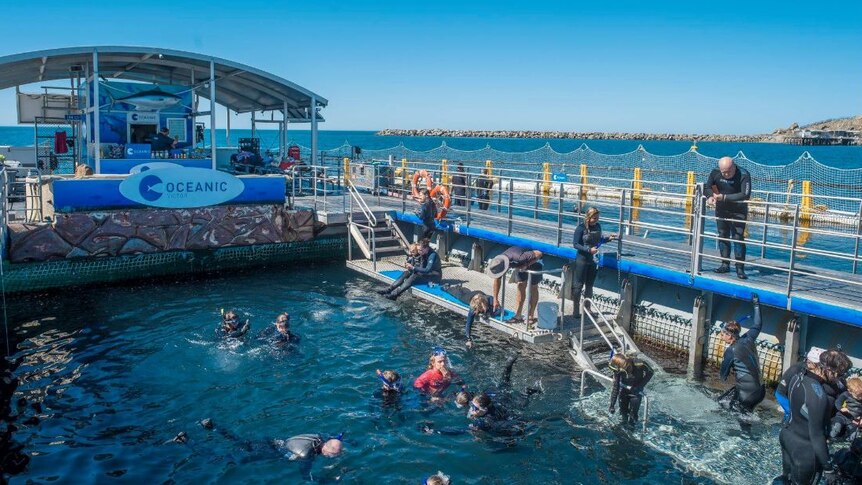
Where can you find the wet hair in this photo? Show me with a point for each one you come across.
(463, 398)
(622, 362)
(283, 316)
(391, 376)
(437, 479)
(732, 327)
(431, 360)
(483, 400)
(230, 315)
(854, 387)
(479, 303)
(835, 361)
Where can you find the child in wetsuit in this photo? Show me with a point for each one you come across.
(849, 406)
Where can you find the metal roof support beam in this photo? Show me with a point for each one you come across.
(212, 112)
(42, 68)
(284, 130)
(314, 130)
(97, 142)
(132, 66)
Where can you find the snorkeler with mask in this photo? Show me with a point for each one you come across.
(231, 325)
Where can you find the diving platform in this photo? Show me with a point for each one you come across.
(553, 325)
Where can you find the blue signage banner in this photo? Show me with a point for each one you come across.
(168, 189)
(139, 150)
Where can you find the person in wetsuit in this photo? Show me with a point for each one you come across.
(811, 360)
(804, 451)
(631, 375)
(481, 305)
(279, 333)
(429, 269)
(426, 213)
(231, 325)
(459, 186)
(588, 238)
(741, 356)
(489, 410)
(728, 187)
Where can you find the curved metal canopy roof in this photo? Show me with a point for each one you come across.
(240, 88)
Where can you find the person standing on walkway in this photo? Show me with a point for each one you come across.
(523, 260)
(483, 189)
(588, 238)
(728, 188)
(459, 186)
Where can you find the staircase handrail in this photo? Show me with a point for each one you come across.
(601, 332)
(360, 201)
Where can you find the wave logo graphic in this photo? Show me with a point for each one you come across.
(181, 187)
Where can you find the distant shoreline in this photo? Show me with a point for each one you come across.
(573, 135)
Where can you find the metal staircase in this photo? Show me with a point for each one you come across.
(375, 238)
(598, 339)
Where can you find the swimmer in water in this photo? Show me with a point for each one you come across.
(439, 374)
(231, 325)
(390, 382)
(438, 478)
(306, 447)
(279, 333)
(631, 375)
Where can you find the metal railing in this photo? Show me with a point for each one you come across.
(603, 378)
(4, 210)
(670, 217)
(369, 225)
(588, 315)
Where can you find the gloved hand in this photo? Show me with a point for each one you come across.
(755, 299)
(612, 409)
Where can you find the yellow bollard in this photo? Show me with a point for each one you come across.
(583, 182)
(346, 169)
(806, 205)
(637, 186)
(690, 183)
(405, 180)
(546, 178)
(444, 172)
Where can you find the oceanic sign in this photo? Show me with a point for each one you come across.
(177, 188)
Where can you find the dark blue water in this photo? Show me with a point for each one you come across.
(765, 153)
(120, 371)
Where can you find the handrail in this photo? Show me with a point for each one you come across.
(593, 320)
(601, 377)
(366, 211)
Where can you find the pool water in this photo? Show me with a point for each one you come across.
(120, 371)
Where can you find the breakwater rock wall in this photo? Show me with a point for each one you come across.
(573, 135)
(129, 232)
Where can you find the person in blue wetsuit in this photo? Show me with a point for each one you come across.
(741, 356)
(804, 451)
(429, 269)
(631, 375)
(587, 240)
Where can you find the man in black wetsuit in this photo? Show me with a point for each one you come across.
(631, 375)
(741, 355)
(429, 269)
(804, 452)
(728, 187)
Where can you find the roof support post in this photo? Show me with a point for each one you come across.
(212, 114)
(97, 139)
(227, 125)
(284, 132)
(314, 130)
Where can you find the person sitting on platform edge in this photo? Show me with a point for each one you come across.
(480, 304)
(587, 240)
(741, 355)
(728, 187)
(522, 260)
(428, 269)
(631, 375)
(426, 213)
(847, 420)
(162, 141)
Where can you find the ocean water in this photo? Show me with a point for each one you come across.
(118, 372)
(765, 153)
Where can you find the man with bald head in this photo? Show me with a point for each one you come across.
(728, 188)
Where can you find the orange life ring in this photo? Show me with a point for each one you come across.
(416, 175)
(443, 191)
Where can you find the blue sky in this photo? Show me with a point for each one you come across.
(692, 67)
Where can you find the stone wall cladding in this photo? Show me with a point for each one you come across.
(143, 231)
